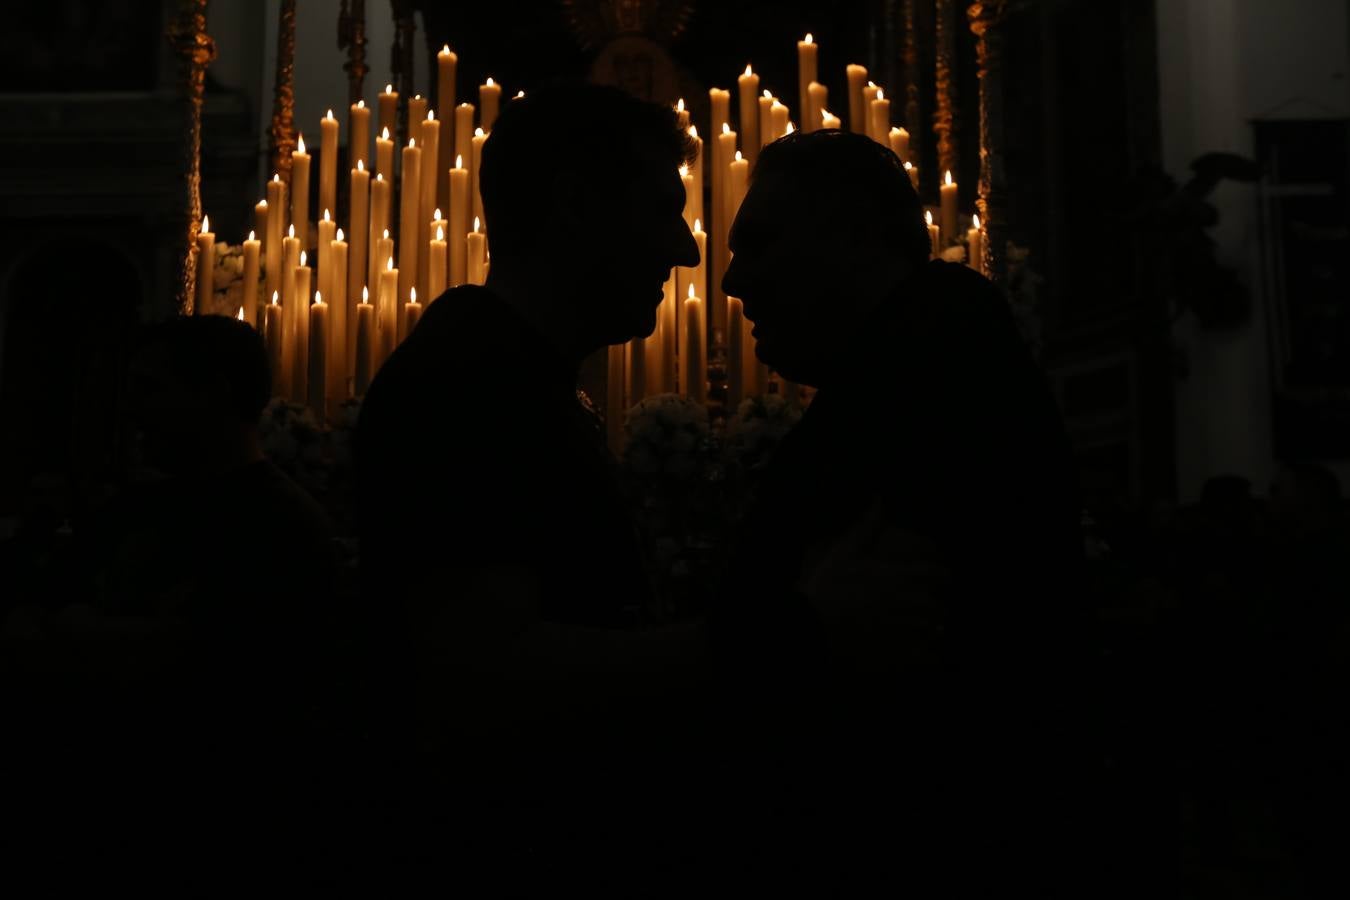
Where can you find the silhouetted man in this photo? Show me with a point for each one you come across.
(499, 554)
(924, 514)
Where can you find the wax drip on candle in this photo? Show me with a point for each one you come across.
(300, 144)
(340, 235)
(440, 233)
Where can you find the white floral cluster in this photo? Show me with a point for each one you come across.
(757, 427)
(228, 280)
(666, 435)
(293, 439)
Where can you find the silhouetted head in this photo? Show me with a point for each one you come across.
(829, 228)
(583, 180)
(1305, 498)
(196, 384)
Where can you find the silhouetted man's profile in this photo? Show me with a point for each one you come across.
(498, 553)
(923, 513)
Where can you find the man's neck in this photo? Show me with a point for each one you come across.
(535, 293)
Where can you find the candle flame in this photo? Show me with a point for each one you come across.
(389, 266)
(928, 216)
(738, 156)
(698, 224)
(340, 235)
(240, 315)
(791, 128)
(252, 236)
(871, 84)
(975, 222)
(302, 258)
(379, 176)
(417, 96)
(412, 295)
(520, 94)
(440, 233)
(895, 130)
(949, 176)
(386, 234)
(726, 129)
(809, 39)
(412, 142)
(318, 297)
(365, 294)
(691, 292)
(263, 203)
(768, 95)
(388, 88)
(276, 298)
(679, 105)
(824, 115)
(693, 131)
(431, 115)
(360, 104)
(478, 132)
(489, 81)
(300, 144)
(330, 115)
(475, 224)
(360, 165)
(908, 167)
(777, 104)
(436, 214)
(748, 70)
(384, 135)
(881, 95)
(206, 224)
(459, 161)
(684, 171)
(290, 232)
(326, 216)
(445, 50)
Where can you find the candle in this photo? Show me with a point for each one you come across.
(384, 249)
(459, 222)
(766, 133)
(447, 61)
(614, 390)
(489, 100)
(689, 280)
(318, 358)
(726, 149)
(206, 268)
(464, 139)
(719, 102)
(693, 367)
(431, 133)
(737, 177)
(975, 245)
(818, 96)
(899, 139)
(913, 173)
(327, 231)
(735, 351)
(358, 134)
(949, 197)
(687, 179)
(437, 263)
(379, 225)
(299, 340)
(412, 313)
(858, 114)
(341, 314)
(635, 370)
(694, 199)
(477, 249)
(358, 260)
(829, 119)
(365, 342)
(778, 113)
(748, 87)
(806, 72)
(260, 219)
(417, 113)
(384, 156)
(328, 144)
(274, 337)
(681, 115)
(290, 259)
(410, 218)
(388, 122)
(387, 324)
(300, 192)
(478, 138)
(881, 118)
(668, 315)
(252, 248)
(934, 240)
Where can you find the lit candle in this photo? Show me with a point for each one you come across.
(778, 113)
(975, 245)
(300, 294)
(464, 140)
(300, 192)
(949, 197)
(476, 249)
(318, 358)
(447, 61)
(913, 173)
(437, 263)
(489, 101)
(726, 150)
(681, 115)
(341, 307)
(735, 351)
(274, 338)
(694, 199)
(384, 156)
(412, 313)
(410, 218)
(687, 179)
(737, 178)
(358, 260)
(384, 249)
(668, 332)
(934, 239)
(747, 88)
(365, 343)
(459, 222)
(689, 280)
(252, 250)
(290, 259)
(260, 219)
(379, 225)
(766, 132)
(719, 102)
(899, 139)
(327, 231)
(431, 135)
(417, 113)
(388, 315)
(881, 118)
(388, 122)
(328, 144)
(477, 163)
(206, 268)
(806, 72)
(829, 119)
(858, 114)
(869, 94)
(819, 97)
(693, 365)
(358, 134)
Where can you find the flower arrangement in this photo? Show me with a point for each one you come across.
(667, 435)
(755, 429)
(228, 280)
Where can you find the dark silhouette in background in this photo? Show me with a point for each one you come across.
(502, 568)
(921, 527)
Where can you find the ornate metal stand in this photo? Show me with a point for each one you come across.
(352, 38)
(189, 37)
(944, 117)
(401, 63)
(283, 98)
(985, 16)
(910, 58)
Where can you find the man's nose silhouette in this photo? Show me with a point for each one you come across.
(684, 249)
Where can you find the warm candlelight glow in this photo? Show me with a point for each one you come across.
(412, 295)
(276, 298)
(340, 235)
(360, 165)
(384, 135)
(928, 216)
(412, 142)
(302, 258)
(389, 266)
(949, 176)
(318, 297)
(263, 203)
(431, 115)
(747, 69)
(360, 104)
(206, 223)
(908, 167)
(365, 294)
(726, 129)
(881, 95)
(824, 115)
(478, 132)
(379, 176)
(489, 81)
(475, 224)
(437, 213)
(768, 95)
(417, 96)
(388, 88)
(684, 170)
(252, 236)
(679, 105)
(693, 131)
(520, 94)
(791, 128)
(300, 148)
(738, 156)
(808, 39)
(445, 49)
(330, 115)
(240, 315)
(326, 217)
(386, 234)
(459, 161)
(440, 232)
(698, 224)
(975, 222)
(691, 292)
(291, 231)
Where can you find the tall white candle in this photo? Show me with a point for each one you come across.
(341, 313)
(859, 116)
(431, 134)
(358, 134)
(328, 153)
(747, 85)
(300, 192)
(477, 254)
(384, 156)
(318, 358)
(437, 264)
(365, 343)
(489, 100)
(379, 225)
(818, 96)
(357, 258)
(300, 296)
(388, 122)
(410, 220)
(949, 196)
(206, 268)
(806, 72)
(460, 201)
(252, 248)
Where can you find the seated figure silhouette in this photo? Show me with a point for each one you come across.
(917, 532)
(501, 565)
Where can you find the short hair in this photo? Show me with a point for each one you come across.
(200, 349)
(595, 126)
(840, 170)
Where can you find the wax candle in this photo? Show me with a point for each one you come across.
(681, 115)
(489, 100)
(614, 391)
(300, 192)
(693, 361)
(899, 139)
(436, 268)
(735, 351)
(384, 156)
(477, 254)
(274, 337)
(290, 259)
(300, 295)
(766, 133)
(260, 220)
(479, 137)
(669, 333)
(412, 313)
(384, 249)
(949, 196)
(975, 245)
(726, 148)
(388, 314)
(635, 370)
(327, 232)
(719, 103)
(460, 201)
(252, 248)
(379, 225)
(689, 280)
(318, 358)
(747, 84)
(358, 265)
(365, 343)
(779, 115)
(358, 134)
(388, 122)
(447, 62)
(417, 113)
(341, 313)
(328, 153)
(696, 166)
(829, 119)
(806, 72)
(431, 133)
(934, 238)
(858, 113)
(818, 97)
(869, 93)
(913, 172)
(206, 268)
(737, 177)
(410, 218)
(881, 118)
(464, 138)
(687, 179)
